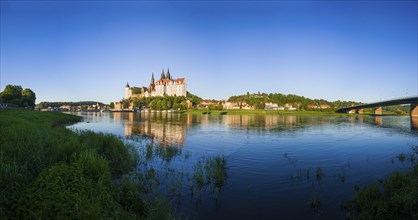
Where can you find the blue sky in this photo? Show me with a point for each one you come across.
(87, 50)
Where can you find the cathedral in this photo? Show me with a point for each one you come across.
(166, 85)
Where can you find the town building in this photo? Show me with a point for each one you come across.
(166, 85)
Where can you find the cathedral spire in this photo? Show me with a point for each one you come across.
(168, 73)
(152, 78)
(127, 85)
(163, 75)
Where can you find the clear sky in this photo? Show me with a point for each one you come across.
(87, 50)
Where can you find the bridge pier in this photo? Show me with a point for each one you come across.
(378, 110)
(414, 116)
(414, 110)
(359, 111)
(352, 111)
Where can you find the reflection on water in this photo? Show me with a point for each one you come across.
(166, 129)
(414, 123)
(171, 129)
(378, 120)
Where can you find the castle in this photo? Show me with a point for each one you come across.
(166, 85)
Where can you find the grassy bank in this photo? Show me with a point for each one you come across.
(395, 197)
(48, 171)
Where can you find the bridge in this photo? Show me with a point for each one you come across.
(412, 101)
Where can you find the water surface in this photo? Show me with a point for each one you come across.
(273, 160)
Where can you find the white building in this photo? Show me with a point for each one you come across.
(164, 86)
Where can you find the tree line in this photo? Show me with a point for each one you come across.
(58, 104)
(16, 95)
(259, 99)
(161, 102)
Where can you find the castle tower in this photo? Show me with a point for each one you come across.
(162, 75)
(127, 91)
(168, 74)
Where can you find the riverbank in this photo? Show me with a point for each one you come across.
(48, 171)
(277, 112)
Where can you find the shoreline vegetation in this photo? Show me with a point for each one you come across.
(281, 112)
(50, 172)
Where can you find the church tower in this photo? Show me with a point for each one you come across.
(152, 79)
(168, 74)
(162, 75)
(151, 86)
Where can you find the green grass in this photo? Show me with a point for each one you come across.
(396, 197)
(210, 171)
(315, 203)
(50, 172)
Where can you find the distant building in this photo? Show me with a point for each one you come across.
(271, 106)
(324, 106)
(166, 85)
(312, 106)
(118, 106)
(205, 103)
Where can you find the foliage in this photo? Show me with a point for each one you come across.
(28, 98)
(136, 90)
(258, 99)
(394, 198)
(215, 107)
(112, 105)
(16, 95)
(58, 104)
(161, 103)
(209, 171)
(48, 171)
(193, 98)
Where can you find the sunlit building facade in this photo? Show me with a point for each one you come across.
(166, 85)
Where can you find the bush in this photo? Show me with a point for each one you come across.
(395, 198)
(64, 191)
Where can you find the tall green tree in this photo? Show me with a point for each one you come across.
(12, 94)
(28, 98)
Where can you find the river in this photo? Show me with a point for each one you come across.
(277, 166)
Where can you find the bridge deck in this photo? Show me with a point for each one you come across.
(401, 101)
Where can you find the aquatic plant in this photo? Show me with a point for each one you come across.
(210, 171)
(319, 173)
(291, 160)
(315, 203)
(165, 152)
(401, 157)
(308, 173)
(342, 177)
(395, 197)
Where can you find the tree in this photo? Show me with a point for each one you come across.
(12, 94)
(136, 90)
(125, 103)
(193, 98)
(28, 98)
(112, 105)
(16, 95)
